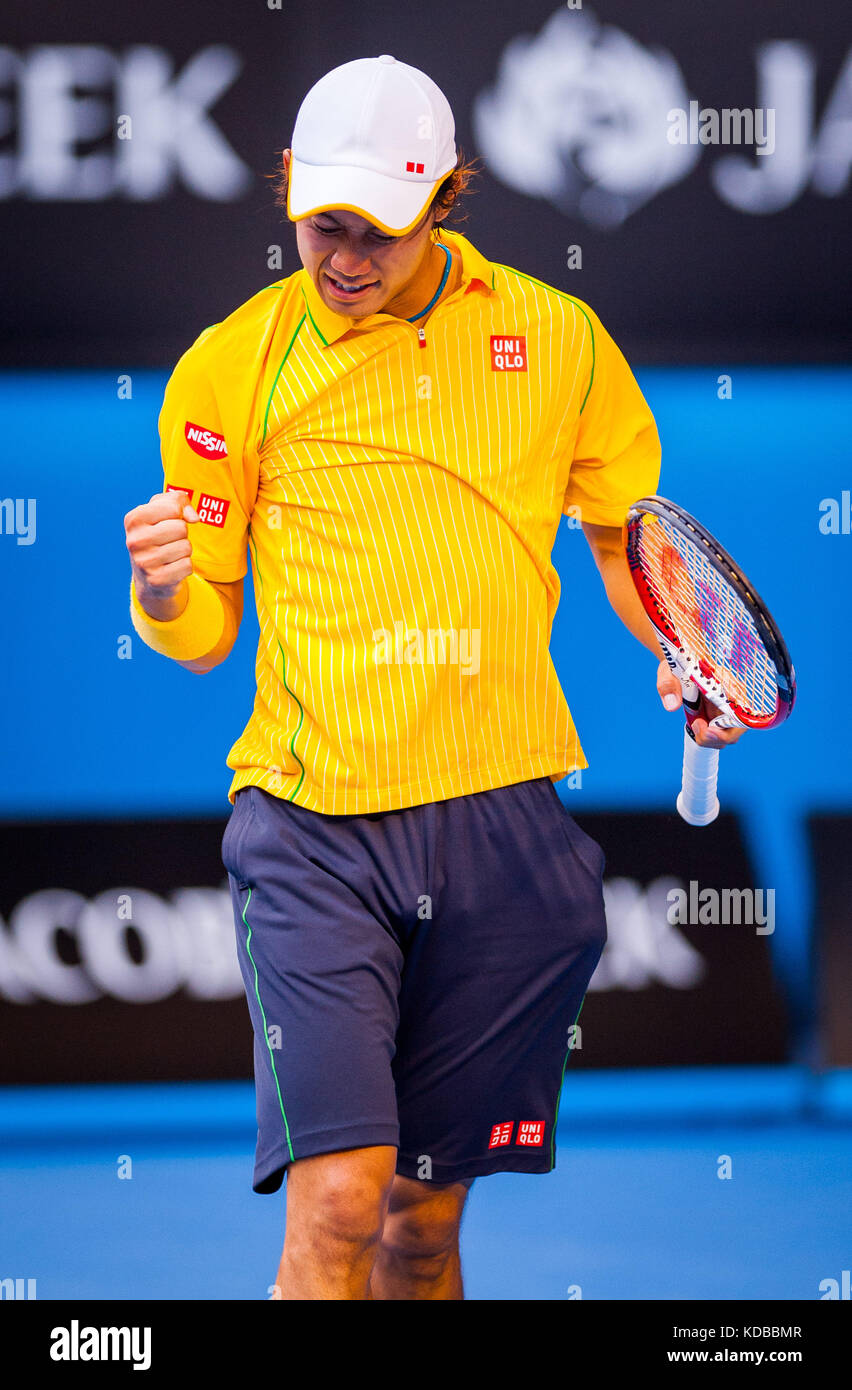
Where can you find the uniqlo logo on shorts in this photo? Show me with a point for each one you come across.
(508, 354)
(530, 1132)
(501, 1134)
(205, 442)
(213, 510)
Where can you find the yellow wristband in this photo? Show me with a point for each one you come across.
(194, 633)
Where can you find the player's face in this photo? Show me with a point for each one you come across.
(357, 268)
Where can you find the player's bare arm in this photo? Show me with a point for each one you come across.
(157, 538)
(607, 546)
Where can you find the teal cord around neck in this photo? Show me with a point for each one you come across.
(440, 290)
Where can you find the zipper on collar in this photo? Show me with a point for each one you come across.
(421, 333)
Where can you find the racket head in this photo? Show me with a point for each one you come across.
(701, 602)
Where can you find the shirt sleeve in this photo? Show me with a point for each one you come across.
(616, 457)
(203, 452)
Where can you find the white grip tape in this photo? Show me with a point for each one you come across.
(697, 802)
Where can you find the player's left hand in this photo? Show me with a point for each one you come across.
(671, 694)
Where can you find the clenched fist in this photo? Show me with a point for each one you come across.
(160, 551)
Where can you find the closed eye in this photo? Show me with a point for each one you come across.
(334, 231)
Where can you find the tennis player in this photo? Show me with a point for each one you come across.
(394, 433)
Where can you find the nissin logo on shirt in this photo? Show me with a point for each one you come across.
(508, 354)
(205, 442)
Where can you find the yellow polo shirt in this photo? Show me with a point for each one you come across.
(399, 494)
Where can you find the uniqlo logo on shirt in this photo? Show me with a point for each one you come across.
(508, 354)
(501, 1134)
(205, 442)
(175, 487)
(530, 1132)
(213, 510)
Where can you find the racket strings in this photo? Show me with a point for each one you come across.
(710, 618)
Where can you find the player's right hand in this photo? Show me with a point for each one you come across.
(157, 537)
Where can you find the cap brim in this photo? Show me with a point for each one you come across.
(394, 205)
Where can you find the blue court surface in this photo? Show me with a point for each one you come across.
(635, 1209)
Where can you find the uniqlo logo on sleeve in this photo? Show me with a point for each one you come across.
(213, 510)
(205, 442)
(501, 1134)
(508, 354)
(530, 1132)
(176, 487)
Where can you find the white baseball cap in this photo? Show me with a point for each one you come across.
(375, 137)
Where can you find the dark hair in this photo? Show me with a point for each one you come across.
(454, 185)
(443, 204)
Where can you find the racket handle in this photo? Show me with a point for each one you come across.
(698, 803)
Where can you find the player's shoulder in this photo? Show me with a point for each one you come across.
(236, 340)
(543, 297)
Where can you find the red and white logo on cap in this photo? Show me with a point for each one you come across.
(207, 443)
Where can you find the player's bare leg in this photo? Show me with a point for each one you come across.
(418, 1257)
(336, 1207)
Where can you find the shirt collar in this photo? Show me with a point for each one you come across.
(477, 274)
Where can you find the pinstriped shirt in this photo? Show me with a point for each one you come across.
(398, 487)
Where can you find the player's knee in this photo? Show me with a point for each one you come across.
(346, 1208)
(351, 1211)
(424, 1233)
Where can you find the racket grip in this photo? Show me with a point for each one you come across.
(698, 803)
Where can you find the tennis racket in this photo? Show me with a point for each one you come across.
(717, 636)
